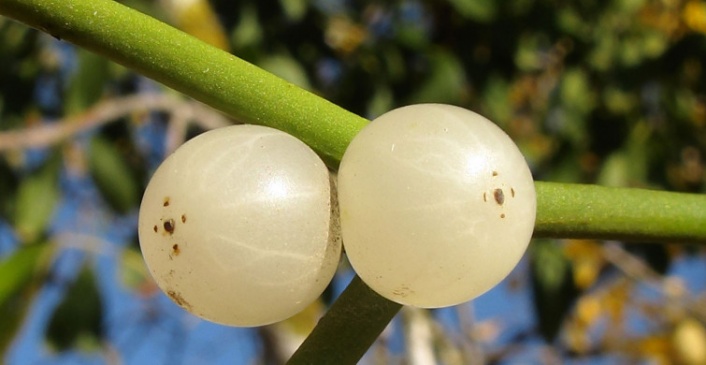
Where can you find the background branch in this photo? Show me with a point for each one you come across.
(197, 69)
(108, 111)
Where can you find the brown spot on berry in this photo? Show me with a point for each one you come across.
(169, 226)
(176, 250)
(499, 196)
(403, 291)
(183, 218)
(485, 199)
(155, 229)
(502, 215)
(178, 299)
(166, 201)
(495, 173)
(512, 192)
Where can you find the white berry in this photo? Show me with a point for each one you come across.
(234, 226)
(437, 205)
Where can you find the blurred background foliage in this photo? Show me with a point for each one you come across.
(610, 92)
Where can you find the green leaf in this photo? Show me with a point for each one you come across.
(113, 175)
(479, 10)
(19, 268)
(395, 67)
(8, 188)
(630, 53)
(446, 82)
(381, 102)
(629, 6)
(618, 101)
(554, 291)
(287, 68)
(576, 93)
(570, 20)
(654, 44)
(497, 102)
(248, 32)
(529, 55)
(22, 274)
(549, 264)
(77, 321)
(603, 55)
(86, 85)
(133, 271)
(294, 9)
(36, 197)
(566, 168)
(411, 35)
(615, 171)
(628, 166)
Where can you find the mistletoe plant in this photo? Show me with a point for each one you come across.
(424, 159)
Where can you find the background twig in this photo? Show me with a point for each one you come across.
(108, 111)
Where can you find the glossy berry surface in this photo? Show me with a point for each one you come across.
(437, 205)
(235, 226)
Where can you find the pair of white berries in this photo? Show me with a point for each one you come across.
(437, 205)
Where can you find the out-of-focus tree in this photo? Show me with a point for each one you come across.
(609, 92)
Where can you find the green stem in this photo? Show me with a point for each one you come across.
(252, 95)
(349, 327)
(188, 65)
(563, 211)
(591, 211)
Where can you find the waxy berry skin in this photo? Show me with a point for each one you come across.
(235, 226)
(437, 205)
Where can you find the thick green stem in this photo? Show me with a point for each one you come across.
(244, 91)
(188, 65)
(591, 211)
(252, 95)
(349, 327)
(563, 211)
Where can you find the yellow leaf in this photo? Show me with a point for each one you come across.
(343, 35)
(694, 15)
(656, 348)
(587, 259)
(689, 342)
(303, 322)
(577, 339)
(198, 18)
(134, 273)
(588, 310)
(614, 301)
